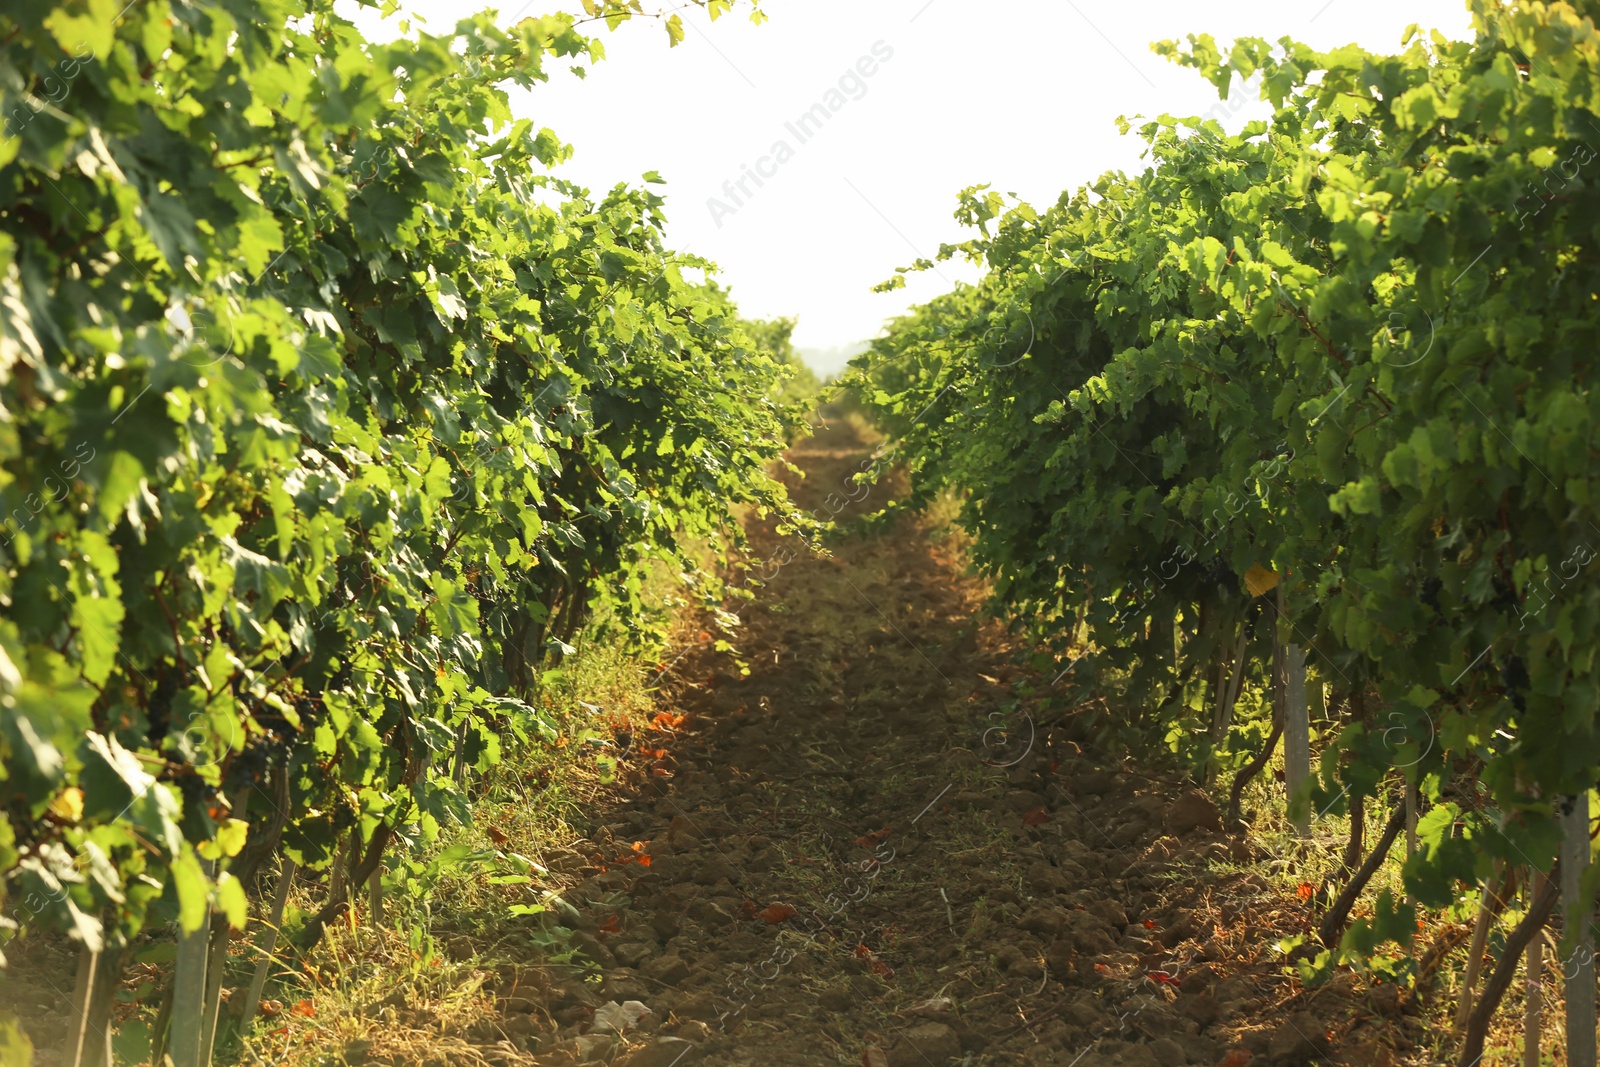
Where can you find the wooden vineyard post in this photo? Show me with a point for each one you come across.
(1533, 1006)
(458, 769)
(217, 959)
(82, 997)
(269, 942)
(92, 1000)
(188, 997)
(216, 966)
(1296, 738)
(1579, 968)
(1412, 802)
(1411, 819)
(1289, 703)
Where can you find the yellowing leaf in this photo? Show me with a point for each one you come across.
(68, 806)
(231, 901)
(1259, 581)
(15, 1048)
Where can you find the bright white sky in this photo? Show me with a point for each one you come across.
(1021, 94)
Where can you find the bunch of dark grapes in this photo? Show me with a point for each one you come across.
(1514, 680)
(1429, 594)
(1219, 575)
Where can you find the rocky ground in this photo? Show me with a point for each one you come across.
(875, 848)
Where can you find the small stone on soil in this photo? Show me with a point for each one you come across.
(1044, 878)
(633, 953)
(1193, 811)
(663, 1052)
(1201, 1007)
(837, 998)
(1298, 1040)
(669, 969)
(925, 1044)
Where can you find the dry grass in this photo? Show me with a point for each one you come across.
(417, 990)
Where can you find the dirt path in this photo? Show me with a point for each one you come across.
(875, 848)
(869, 852)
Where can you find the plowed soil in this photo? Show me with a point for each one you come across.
(872, 850)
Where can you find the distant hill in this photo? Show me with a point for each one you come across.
(828, 362)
